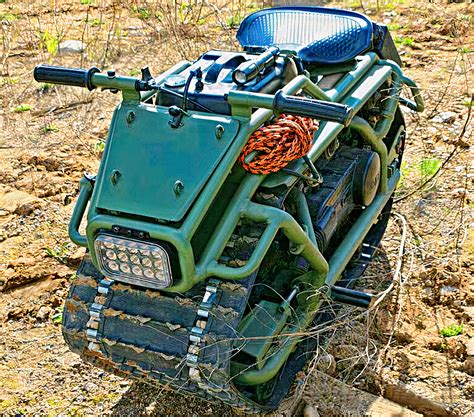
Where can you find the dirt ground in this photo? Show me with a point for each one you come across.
(416, 348)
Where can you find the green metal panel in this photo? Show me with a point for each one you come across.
(159, 171)
(259, 327)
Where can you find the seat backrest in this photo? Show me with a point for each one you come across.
(318, 34)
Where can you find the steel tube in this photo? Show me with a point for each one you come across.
(272, 365)
(419, 104)
(352, 77)
(302, 209)
(337, 265)
(292, 230)
(85, 192)
(329, 130)
(363, 127)
(204, 201)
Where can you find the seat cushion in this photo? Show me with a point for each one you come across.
(317, 34)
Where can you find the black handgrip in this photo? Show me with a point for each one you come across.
(66, 76)
(317, 109)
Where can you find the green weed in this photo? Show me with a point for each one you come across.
(8, 17)
(142, 12)
(465, 17)
(134, 72)
(394, 26)
(468, 101)
(234, 20)
(44, 87)
(451, 330)
(50, 128)
(22, 108)
(99, 147)
(9, 80)
(428, 167)
(60, 253)
(86, 1)
(96, 22)
(50, 42)
(401, 40)
(465, 50)
(58, 315)
(184, 10)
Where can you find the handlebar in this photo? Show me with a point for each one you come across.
(299, 106)
(92, 78)
(280, 102)
(65, 76)
(316, 109)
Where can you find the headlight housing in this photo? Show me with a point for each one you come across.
(133, 261)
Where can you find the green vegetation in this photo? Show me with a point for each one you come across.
(468, 101)
(86, 1)
(134, 72)
(22, 108)
(451, 330)
(9, 80)
(236, 18)
(394, 26)
(44, 87)
(429, 167)
(50, 42)
(58, 315)
(60, 253)
(8, 17)
(50, 128)
(401, 40)
(142, 12)
(96, 22)
(99, 147)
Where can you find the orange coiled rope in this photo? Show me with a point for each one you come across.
(276, 145)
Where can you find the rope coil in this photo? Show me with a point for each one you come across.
(277, 144)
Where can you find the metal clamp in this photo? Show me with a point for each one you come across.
(196, 336)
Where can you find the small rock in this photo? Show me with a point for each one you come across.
(90, 387)
(79, 399)
(468, 366)
(11, 201)
(459, 192)
(28, 208)
(14, 263)
(404, 334)
(310, 411)
(345, 351)
(445, 117)
(43, 313)
(71, 47)
(470, 347)
(70, 359)
(448, 290)
(326, 364)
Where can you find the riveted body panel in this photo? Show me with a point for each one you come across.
(161, 169)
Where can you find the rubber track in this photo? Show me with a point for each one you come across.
(145, 333)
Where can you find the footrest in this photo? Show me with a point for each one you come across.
(351, 297)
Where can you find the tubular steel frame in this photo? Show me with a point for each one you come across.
(353, 89)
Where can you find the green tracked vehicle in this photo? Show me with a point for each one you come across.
(203, 274)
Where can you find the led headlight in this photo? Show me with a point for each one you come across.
(135, 262)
